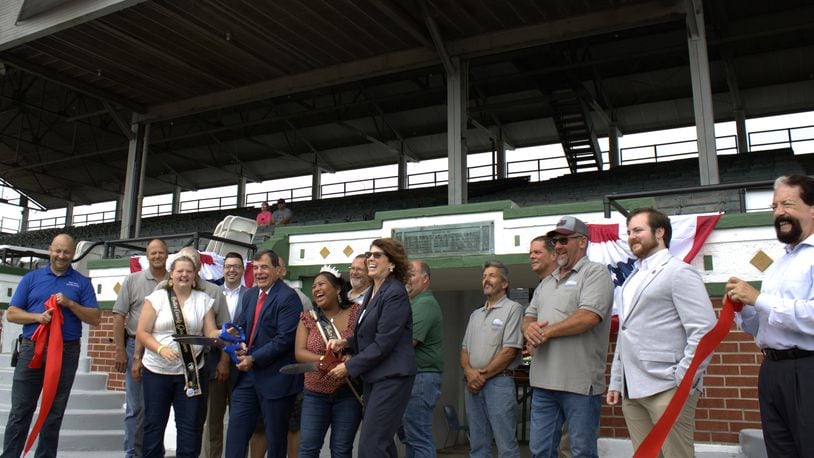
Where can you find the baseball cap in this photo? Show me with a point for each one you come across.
(568, 225)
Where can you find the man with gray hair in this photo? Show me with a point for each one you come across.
(489, 354)
(568, 332)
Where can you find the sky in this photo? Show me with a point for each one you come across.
(634, 146)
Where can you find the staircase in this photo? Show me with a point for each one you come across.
(572, 119)
(94, 418)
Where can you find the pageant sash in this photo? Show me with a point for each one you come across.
(651, 446)
(193, 385)
(48, 336)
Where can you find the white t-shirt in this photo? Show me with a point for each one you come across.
(194, 310)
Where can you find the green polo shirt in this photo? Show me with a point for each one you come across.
(428, 332)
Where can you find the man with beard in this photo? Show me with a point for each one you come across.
(781, 317)
(126, 312)
(489, 354)
(664, 311)
(569, 335)
(359, 280)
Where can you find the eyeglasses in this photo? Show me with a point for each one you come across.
(231, 267)
(374, 254)
(564, 240)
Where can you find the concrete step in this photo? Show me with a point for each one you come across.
(82, 381)
(98, 441)
(80, 399)
(751, 441)
(80, 418)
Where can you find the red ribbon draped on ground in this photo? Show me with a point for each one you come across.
(47, 335)
(651, 445)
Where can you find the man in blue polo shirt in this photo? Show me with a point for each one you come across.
(75, 296)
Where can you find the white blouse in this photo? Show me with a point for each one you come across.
(194, 309)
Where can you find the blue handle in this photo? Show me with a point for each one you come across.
(236, 341)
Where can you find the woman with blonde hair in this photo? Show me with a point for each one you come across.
(173, 375)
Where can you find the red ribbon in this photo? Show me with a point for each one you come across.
(651, 446)
(47, 336)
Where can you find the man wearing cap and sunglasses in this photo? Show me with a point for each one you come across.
(568, 332)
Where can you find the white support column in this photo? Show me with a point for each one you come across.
(241, 192)
(701, 93)
(131, 182)
(316, 182)
(69, 214)
(500, 156)
(457, 97)
(742, 133)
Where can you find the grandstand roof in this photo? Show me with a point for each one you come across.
(267, 88)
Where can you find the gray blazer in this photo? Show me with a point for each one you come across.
(658, 335)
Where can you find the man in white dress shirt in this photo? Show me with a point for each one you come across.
(781, 317)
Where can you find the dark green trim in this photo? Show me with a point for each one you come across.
(106, 305)
(13, 270)
(709, 265)
(736, 220)
(108, 263)
(717, 289)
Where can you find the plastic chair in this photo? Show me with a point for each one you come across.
(453, 425)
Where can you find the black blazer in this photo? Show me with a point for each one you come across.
(382, 345)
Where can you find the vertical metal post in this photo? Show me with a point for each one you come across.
(614, 154)
(241, 192)
(701, 93)
(142, 173)
(742, 133)
(131, 182)
(402, 172)
(176, 200)
(69, 214)
(500, 152)
(316, 182)
(24, 214)
(457, 98)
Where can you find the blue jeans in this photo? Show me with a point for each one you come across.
(550, 409)
(492, 413)
(134, 408)
(340, 410)
(417, 419)
(167, 391)
(25, 392)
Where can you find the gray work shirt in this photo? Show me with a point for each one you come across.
(575, 363)
(135, 288)
(490, 329)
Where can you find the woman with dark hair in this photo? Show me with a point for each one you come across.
(327, 401)
(382, 349)
(173, 373)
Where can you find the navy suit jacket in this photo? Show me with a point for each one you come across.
(382, 346)
(273, 343)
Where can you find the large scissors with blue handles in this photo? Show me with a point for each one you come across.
(231, 339)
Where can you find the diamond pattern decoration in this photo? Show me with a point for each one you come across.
(117, 288)
(324, 252)
(348, 251)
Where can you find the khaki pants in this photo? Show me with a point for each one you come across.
(642, 414)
